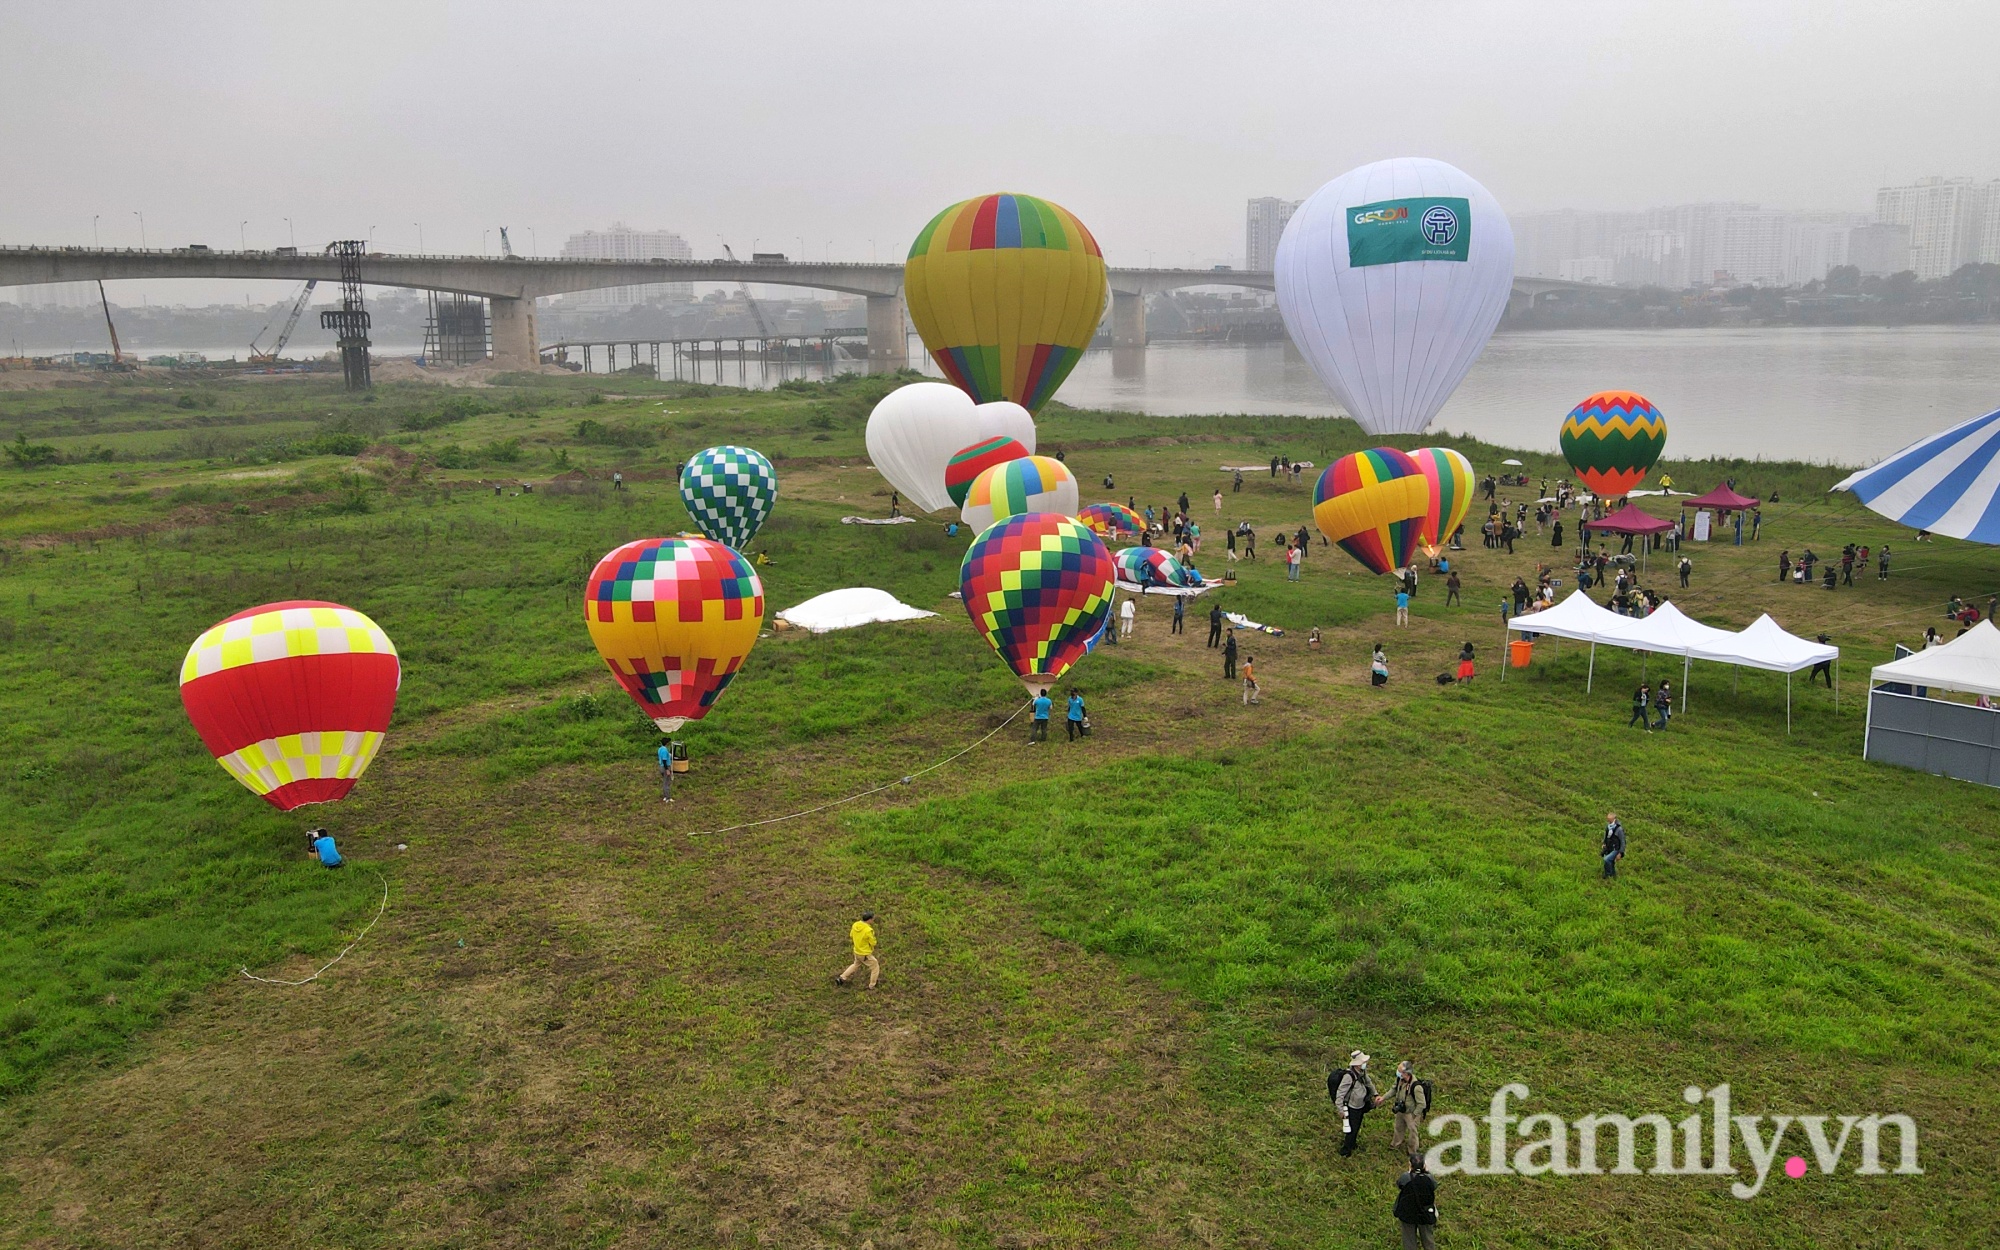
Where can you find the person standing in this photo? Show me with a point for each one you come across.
(1410, 1101)
(1756, 522)
(1402, 606)
(1215, 625)
(1304, 541)
(1823, 668)
(1126, 615)
(1378, 667)
(1847, 566)
(1451, 589)
(1043, 706)
(1249, 542)
(1354, 1094)
(1218, 502)
(1663, 702)
(1249, 680)
(617, 480)
(1466, 670)
(666, 771)
(1293, 554)
(1073, 725)
(1556, 539)
(1183, 503)
(1232, 546)
(1229, 656)
(1180, 615)
(1613, 848)
(1882, 564)
(1239, 481)
(862, 935)
(1686, 568)
(1641, 717)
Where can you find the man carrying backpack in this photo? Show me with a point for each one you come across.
(1613, 849)
(1354, 1093)
(1410, 1100)
(1416, 1206)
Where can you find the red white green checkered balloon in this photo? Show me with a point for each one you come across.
(729, 491)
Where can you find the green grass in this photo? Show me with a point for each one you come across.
(1116, 970)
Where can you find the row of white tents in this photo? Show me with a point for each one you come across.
(1669, 631)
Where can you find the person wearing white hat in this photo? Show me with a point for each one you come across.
(1354, 1094)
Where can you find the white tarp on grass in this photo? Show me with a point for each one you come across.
(845, 609)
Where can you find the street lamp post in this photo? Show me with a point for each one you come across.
(290, 235)
(242, 237)
(482, 241)
(93, 229)
(142, 228)
(533, 242)
(420, 236)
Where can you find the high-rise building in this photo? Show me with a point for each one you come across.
(1947, 218)
(1879, 250)
(1263, 225)
(622, 242)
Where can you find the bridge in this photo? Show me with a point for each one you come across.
(511, 285)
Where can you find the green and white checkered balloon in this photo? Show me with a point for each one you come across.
(729, 491)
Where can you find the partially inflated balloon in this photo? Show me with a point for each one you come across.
(673, 618)
(292, 698)
(1149, 567)
(913, 434)
(1370, 504)
(1029, 484)
(1449, 476)
(1038, 588)
(968, 464)
(1006, 291)
(1111, 520)
(1612, 440)
(1390, 280)
(729, 491)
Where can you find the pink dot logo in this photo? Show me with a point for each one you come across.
(1795, 1167)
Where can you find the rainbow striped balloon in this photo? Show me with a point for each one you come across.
(970, 462)
(1112, 520)
(1026, 484)
(1449, 476)
(1006, 291)
(1149, 567)
(1612, 440)
(1370, 504)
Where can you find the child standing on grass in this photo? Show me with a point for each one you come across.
(1249, 679)
(862, 933)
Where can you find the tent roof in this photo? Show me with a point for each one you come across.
(1629, 520)
(1948, 483)
(1667, 629)
(1969, 663)
(1764, 644)
(1576, 617)
(1720, 497)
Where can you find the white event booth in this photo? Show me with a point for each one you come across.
(1907, 726)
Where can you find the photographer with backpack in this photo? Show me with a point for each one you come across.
(1416, 1206)
(1354, 1093)
(1410, 1101)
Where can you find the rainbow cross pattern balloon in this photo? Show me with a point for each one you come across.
(968, 464)
(1612, 440)
(1006, 291)
(1025, 484)
(1038, 588)
(1111, 520)
(1449, 476)
(673, 619)
(1148, 567)
(1370, 504)
(292, 698)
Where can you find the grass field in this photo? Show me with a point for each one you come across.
(1117, 973)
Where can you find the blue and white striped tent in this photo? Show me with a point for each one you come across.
(1948, 483)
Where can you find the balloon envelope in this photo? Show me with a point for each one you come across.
(1111, 520)
(1038, 588)
(1006, 291)
(292, 698)
(1612, 440)
(673, 618)
(968, 464)
(1449, 477)
(1370, 504)
(1005, 419)
(1150, 566)
(1390, 280)
(729, 491)
(1029, 484)
(913, 434)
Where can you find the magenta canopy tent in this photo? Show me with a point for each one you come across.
(1722, 499)
(1629, 520)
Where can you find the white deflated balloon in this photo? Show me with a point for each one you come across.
(915, 431)
(1005, 419)
(1390, 280)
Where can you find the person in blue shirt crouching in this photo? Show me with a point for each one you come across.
(320, 842)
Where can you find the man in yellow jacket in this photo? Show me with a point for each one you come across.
(863, 934)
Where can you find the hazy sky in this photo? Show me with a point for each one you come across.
(838, 129)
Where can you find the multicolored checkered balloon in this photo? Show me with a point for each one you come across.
(1112, 520)
(673, 618)
(729, 491)
(1150, 566)
(1038, 588)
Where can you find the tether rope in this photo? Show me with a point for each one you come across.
(343, 953)
(900, 781)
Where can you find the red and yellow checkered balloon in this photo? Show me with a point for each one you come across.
(673, 618)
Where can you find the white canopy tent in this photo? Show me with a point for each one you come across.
(1968, 664)
(1764, 644)
(1937, 735)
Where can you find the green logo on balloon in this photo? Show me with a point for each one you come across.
(1389, 232)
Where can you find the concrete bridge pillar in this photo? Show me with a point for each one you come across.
(514, 343)
(888, 344)
(1128, 319)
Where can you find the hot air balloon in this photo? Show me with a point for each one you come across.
(292, 698)
(1390, 280)
(1029, 484)
(1006, 291)
(729, 491)
(1150, 568)
(1370, 505)
(1005, 419)
(916, 430)
(976, 459)
(673, 618)
(1449, 476)
(1038, 588)
(1112, 520)
(1612, 440)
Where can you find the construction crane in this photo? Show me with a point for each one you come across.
(506, 248)
(117, 352)
(756, 313)
(284, 335)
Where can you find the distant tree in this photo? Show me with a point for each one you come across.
(1843, 279)
(27, 455)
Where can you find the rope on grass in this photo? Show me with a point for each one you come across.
(900, 781)
(343, 953)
